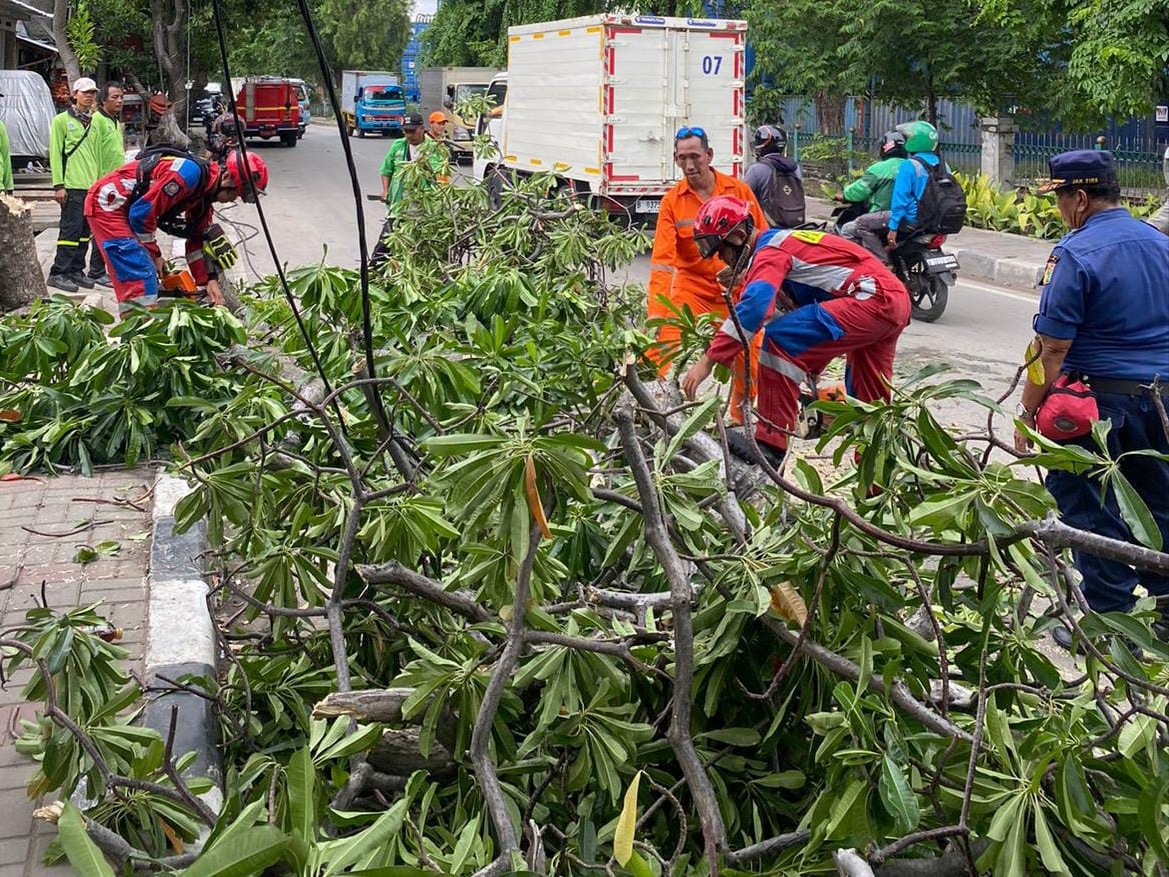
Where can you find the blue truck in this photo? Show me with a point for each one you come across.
(372, 102)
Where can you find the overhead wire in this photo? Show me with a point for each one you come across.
(330, 89)
(291, 299)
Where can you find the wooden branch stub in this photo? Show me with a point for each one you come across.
(372, 705)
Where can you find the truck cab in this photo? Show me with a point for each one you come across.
(269, 107)
(489, 167)
(378, 105)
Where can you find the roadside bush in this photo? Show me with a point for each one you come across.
(1020, 211)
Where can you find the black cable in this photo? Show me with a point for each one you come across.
(231, 105)
(327, 78)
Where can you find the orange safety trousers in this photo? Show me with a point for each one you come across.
(697, 294)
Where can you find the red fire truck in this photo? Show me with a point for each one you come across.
(269, 107)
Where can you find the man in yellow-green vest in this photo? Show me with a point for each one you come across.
(78, 141)
(6, 185)
(109, 105)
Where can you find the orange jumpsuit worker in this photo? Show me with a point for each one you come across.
(678, 273)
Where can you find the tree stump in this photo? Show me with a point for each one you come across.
(21, 278)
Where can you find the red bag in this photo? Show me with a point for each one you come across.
(1068, 410)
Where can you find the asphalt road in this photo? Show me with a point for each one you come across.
(310, 207)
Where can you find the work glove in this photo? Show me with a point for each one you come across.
(219, 249)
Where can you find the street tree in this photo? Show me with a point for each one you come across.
(911, 54)
(270, 37)
(1109, 57)
(473, 33)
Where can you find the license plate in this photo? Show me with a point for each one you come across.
(937, 261)
(647, 206)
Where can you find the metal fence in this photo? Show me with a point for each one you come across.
(1134, 144)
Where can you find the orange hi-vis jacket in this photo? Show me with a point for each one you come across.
(680, 274)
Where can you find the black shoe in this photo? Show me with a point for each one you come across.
(103, 279)
(81, 280)
(63, 283)
(741, 448)
(1063, 638)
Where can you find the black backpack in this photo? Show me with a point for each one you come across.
(785, 206)
(942, 207)
(171, 222)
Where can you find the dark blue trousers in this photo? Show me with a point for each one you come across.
(1136, 425)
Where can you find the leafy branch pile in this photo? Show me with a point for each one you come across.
(70, 396)
(574, 636)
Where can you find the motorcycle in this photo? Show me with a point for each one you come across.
(918, 262)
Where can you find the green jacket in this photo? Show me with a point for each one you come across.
(85, 164)
(398, 155)
(5, 162)
(114, 153)
(875, 186)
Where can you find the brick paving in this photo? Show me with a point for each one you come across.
(58, 505)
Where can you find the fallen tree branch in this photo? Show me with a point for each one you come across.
(657, 535)
(481, 760)
(393, 573)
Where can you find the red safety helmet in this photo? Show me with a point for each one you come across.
(716, 219)
(251, 182)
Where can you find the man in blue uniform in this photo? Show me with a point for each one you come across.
(1104, 315)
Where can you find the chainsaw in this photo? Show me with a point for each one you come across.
(177, 282)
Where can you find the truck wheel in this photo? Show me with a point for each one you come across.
(360, 132)
(288, 139)
(495, 185)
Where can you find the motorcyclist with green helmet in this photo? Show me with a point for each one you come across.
(874, 190)
(921, 142)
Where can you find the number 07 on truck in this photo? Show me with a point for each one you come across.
(596, 101)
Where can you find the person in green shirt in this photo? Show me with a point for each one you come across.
(77, 145)
(413, 145)
(113, 156)
(874, 189)
(6, 184)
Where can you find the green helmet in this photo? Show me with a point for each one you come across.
(919, 136)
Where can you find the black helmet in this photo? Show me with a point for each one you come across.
(770, 139)
(893, 145)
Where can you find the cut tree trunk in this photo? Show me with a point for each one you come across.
(21, 278)
(398, 753)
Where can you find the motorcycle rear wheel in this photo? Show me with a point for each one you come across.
(929, 295)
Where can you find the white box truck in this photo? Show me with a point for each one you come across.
(597, 101)
(372, 101)
(442, 89)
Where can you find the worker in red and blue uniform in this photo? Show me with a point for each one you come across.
(1104, 317)
(838, 300)
(177, 193)
(921, 142)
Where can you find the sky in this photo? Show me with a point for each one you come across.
(425, 7)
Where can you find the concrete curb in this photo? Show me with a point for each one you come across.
(1021, 274)
(180, 638)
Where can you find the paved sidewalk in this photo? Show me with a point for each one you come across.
(59, 505)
